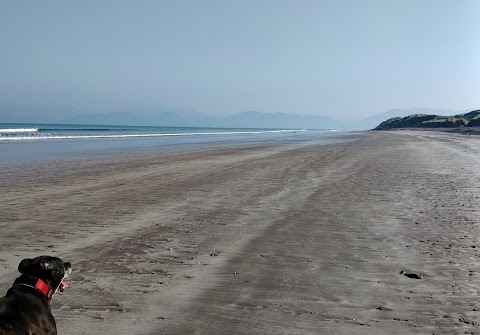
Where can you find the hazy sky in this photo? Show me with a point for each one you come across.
(333, 57)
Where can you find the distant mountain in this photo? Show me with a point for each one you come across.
(465, 120)
(154, 116)
(277, 120)
(127, 115)
(374, 120)
(142, 115)
(191, 119)
(166, 119)
(35, 113)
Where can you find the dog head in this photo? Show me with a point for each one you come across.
(51, 270)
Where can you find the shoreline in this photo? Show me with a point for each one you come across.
(274, 239)
(22, 152)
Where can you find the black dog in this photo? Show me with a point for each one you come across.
(25, 309)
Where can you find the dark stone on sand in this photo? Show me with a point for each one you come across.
(470, 322)
(411, 275)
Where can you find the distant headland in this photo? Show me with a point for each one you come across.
(468, 122)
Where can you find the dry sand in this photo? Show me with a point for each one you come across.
(259, 240)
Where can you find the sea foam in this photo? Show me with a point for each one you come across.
(18, 130)
(51, 137)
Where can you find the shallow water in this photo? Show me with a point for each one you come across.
(29, 143)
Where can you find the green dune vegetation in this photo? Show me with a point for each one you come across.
(471, 119)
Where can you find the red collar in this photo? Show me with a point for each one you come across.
(39, 284)
(43, 287)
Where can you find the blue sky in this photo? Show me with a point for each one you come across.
(337, 58)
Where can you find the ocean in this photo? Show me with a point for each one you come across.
(36, 132)
(33, 142)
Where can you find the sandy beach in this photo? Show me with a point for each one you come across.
(273, 239)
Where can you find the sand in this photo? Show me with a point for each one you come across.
(277, 239)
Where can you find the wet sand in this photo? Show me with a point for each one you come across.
(280, 239)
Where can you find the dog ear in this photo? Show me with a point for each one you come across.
(23, 264)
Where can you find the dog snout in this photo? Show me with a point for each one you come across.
(68, 268)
